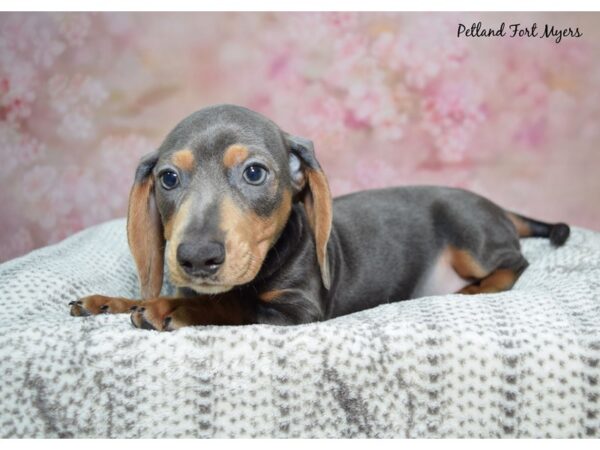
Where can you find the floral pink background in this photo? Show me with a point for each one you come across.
(389, 99)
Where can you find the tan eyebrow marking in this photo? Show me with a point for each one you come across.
(234, 154)
(184, 159)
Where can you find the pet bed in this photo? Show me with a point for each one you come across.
(523, 363)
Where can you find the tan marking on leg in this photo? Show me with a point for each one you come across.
(234, 155)
(184, 159)
(211, 312)
(498, 281)
(167, 314)
(101, 304)
(269, 296)
(154, 312)
(465, 264)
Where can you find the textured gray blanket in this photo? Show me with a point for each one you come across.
(516, 364)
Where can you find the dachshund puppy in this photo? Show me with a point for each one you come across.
(242, 213)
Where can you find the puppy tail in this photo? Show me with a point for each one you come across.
(526, 227)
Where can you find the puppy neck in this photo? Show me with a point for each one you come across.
(290, 241)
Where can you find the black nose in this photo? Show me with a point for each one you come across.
(200, 258)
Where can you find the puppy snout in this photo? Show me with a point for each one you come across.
(200, 258)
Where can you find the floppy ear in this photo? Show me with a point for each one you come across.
(145, 230)
(310, 183)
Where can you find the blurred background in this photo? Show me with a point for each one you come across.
(388, 99)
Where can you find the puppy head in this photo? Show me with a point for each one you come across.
(215, 197)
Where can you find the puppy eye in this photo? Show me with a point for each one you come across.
(255, 174)
(169, 179)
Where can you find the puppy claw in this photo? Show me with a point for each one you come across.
(147, 320)
(147, 325)
(166, 324)
(132, 318)
(77, 310)
(139, 321)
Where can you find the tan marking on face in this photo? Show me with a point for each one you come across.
(173, 233)
(523, 229)
(184, 159)
(204, 288)
(168, 228)
(269, 296)
(465, 264)
(498, 281)
(234, 155)
(248, 238)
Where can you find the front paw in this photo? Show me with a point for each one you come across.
(148, 318)
(99, 304)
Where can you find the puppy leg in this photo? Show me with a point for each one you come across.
(100, 304)
(497, 281)
(168, 314)
(501, 278)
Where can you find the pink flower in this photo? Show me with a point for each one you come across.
(45, 48)
(18, 150)
(532, 133)
(77, 124)
(74, 28)
(18, 84)
(38, 181)
(451, 114)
